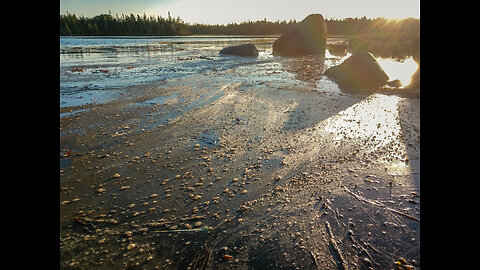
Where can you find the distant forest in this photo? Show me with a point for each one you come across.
(125, 25)
(379, 36)
(136, 25)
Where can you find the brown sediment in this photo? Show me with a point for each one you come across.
(178, 175)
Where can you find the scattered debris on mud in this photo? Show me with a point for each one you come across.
(240, 176)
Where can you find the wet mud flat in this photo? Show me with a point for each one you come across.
(206, 173)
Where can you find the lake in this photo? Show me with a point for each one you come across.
(97, 69)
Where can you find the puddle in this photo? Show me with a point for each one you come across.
(64, 163)
(207, 138)
(74, 112)
(87, 97)
(65, 160)
(159, 100)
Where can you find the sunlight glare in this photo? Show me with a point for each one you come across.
(373, 122)
(375, 117)
(402, 71)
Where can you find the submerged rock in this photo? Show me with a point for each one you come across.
(394, 83)
(338, 48)
(306, 38)
(248, 50)
(358, 72)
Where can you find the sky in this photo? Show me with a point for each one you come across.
(231, 11)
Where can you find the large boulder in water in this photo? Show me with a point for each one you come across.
(248, 50)
(359, 72)
(306, 38)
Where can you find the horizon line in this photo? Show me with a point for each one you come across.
(247, 20)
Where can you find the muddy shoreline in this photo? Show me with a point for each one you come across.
(179, 174)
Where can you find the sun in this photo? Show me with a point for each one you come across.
(394, 20)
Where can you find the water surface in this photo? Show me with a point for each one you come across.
(96, 69)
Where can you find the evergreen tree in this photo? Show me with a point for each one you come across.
(107, 25)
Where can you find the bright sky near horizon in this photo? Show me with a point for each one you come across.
(229, 11)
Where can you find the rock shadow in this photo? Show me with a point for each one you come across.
(310, 112)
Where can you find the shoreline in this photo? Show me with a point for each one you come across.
(235, 174)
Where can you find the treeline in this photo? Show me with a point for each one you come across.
(363, 25)
(131, 25)
(382, 37)
(260, 27)
(108, 25)
(124, 25)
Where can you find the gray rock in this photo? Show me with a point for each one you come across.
(359, 72)
(248, 50)
(306, 38)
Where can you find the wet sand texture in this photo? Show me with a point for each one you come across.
(199, 173)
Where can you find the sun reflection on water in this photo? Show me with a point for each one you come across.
(402, 71)
(374, 123)
(374, 117)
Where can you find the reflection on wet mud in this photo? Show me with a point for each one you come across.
(241, 164)
(374, 117)
(374, 120)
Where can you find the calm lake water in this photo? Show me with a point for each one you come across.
(97, 69)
